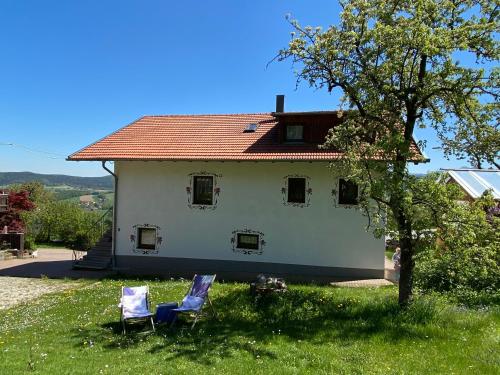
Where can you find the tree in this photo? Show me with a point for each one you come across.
(18, 202)
(36, 190)
(50, 219)
(396, 63)
(479, 143)
(461, 256)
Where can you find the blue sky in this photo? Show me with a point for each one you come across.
(74, 71)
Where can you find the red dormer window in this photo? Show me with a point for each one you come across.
(294, 133)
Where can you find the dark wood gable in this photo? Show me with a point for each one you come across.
(316, 125)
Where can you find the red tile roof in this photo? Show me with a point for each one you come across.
(202, 137)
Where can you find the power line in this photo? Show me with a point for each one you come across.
(34, 151)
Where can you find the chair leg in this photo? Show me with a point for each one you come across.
(195, 319)
(212, 307)
(123, 324)
(173, 321)
(153, 324)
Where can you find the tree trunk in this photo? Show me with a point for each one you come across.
(404, 225)
(406, 271)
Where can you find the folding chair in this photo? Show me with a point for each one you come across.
(196, 297)
(135, 307)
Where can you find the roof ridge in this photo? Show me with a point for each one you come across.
(211, 114)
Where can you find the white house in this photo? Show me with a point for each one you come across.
(236, 195)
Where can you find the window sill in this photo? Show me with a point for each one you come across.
(345, 205)
(203, 206)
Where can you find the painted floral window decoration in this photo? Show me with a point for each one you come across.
(296, 191)
(146, 239)
(203, 190)
(248, 242)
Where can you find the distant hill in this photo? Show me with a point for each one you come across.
(419, 175)
(92, 183)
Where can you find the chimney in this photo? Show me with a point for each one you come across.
(280, 103)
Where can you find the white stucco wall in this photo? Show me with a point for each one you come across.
(250, 197)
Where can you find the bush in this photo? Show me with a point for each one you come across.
(62, 221)
(29, 243)
(471, 275)
(463, 260)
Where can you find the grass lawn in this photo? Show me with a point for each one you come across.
(310, 329)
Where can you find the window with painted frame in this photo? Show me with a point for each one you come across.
(247, 241)
(348, 193)
(146, 238)
(296, 190)
(203, 190)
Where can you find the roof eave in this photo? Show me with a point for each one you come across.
(416, 161)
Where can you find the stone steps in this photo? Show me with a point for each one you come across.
(99, 257)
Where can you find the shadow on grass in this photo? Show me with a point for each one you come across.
(246, 324)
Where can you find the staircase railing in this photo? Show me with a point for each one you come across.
(100, 225)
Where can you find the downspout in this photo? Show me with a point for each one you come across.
(115, 200)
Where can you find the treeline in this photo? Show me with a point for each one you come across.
(86, 183)
(60, 195)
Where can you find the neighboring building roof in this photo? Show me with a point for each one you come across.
(476, 181)
(205, 137)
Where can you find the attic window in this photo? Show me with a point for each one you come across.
(295, 133)
(250, 128)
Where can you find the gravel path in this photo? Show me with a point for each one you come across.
(14, 290)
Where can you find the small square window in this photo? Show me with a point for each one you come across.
(295, 133)
(147, 238)
(247, 241)
(296, 190)
(203, 190)
(348, 192)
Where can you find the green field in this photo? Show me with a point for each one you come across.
(103, 198)
(308, 330)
